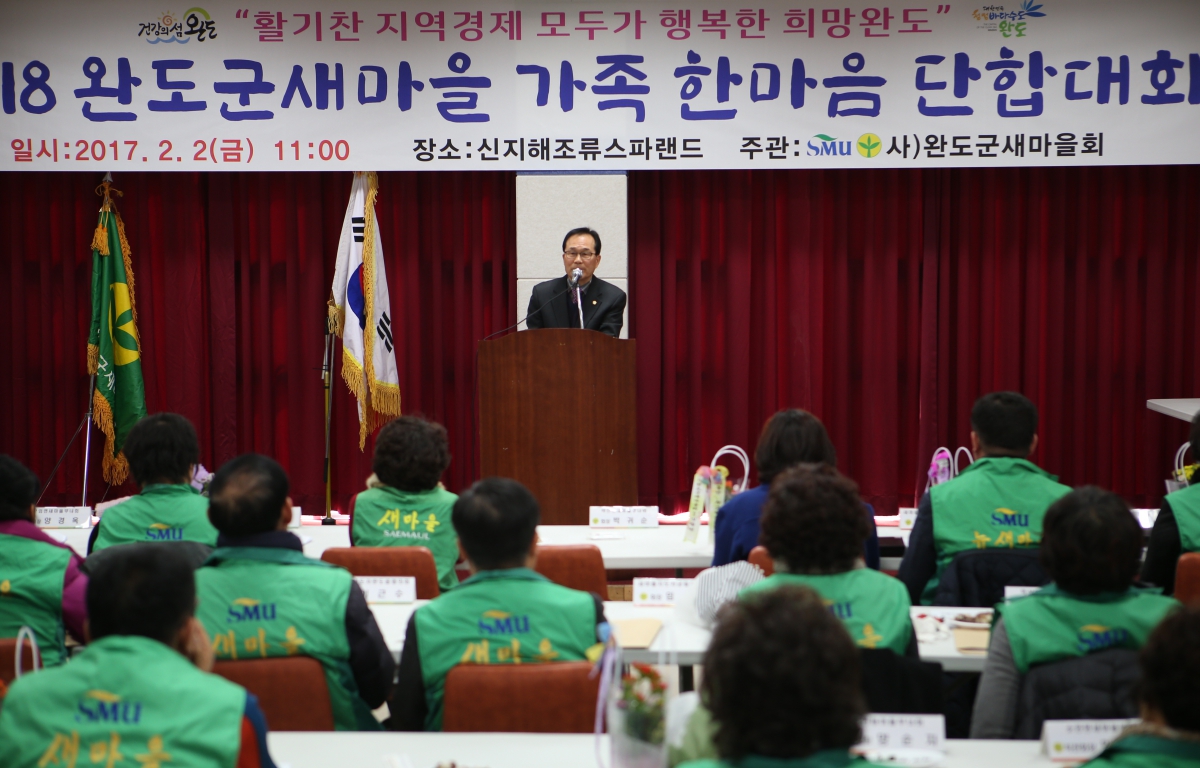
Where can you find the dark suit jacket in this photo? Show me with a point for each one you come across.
(603, 306)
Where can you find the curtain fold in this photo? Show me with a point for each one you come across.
(233, 273)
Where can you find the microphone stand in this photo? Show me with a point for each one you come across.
(579, 303)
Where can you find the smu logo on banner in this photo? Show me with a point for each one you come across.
(822, 145)
(249, 609)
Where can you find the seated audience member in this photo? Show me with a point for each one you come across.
(505, 613)
(1176, 529)
(260, 596)
(782, 682)
(788, 438)
(813, 527)
(410, 508)
(998, 501)
(162, 450)
(1091, 544)
(140, 693)
(41, 585)
(1169, 734)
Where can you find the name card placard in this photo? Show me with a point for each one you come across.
(296, 517)
(659, 591)
(1013, 592)
(897, 734)
(388, 589)
(64, 517)
(1146, 517)
(908, 518)
(623, 517)
(1073, 741)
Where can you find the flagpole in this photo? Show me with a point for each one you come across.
(87, 443)
(326, 368)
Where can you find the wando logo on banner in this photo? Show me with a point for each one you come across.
(194, 23)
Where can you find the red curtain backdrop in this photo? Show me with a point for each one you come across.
(233, 273)
(887, 301)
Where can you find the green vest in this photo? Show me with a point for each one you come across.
(31, 590)
(1051, 625)
(158, 513)
(995, 502)
(124, 701)
(873, 606)
(260, 602)
(1144, 751)
(389, 517)
(513, 616)
(828, 758)
(1186, 506)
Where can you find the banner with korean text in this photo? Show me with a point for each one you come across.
(546, 86)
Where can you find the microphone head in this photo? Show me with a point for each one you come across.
(576, 276)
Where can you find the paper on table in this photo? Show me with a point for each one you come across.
(636, 633)
(971, 642)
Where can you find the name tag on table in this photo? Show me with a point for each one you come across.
(64, 517)
(1012, 592)
(388, 589)
(908, 518)
(1077, 740)
(1146, 517)
(885, 734)
(623, 517)
(296, 517)
(659, 591)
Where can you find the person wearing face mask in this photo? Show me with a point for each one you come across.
(555, 303)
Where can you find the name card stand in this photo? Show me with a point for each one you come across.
(622, 517)
(659, 591)
(1014, 592)
(388, 589)
(908, 518)
(296, 517)
(64, 517)
(903, 739)
(1073, 741)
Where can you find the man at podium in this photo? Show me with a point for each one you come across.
(556, 303)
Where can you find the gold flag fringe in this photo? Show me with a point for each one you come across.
(100, 237)
(93, 359)
(337, 319)
(115, 468)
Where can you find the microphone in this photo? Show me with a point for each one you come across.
(576, 276)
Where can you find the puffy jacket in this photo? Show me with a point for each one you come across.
(977, 579)
(1097, 686)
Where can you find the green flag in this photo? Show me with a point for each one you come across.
(114, 356)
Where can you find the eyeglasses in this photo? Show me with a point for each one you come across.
(585, 255)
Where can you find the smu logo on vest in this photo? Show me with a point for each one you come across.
(843, 611)
(164, 532)
(1008, 517)
(501, 623)
(105, 707)
(249, 609)
(1096, 637)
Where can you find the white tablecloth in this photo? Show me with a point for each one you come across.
(526, 750)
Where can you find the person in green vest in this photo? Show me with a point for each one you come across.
(410, 508)
(42, 585)
(1169, 693)
(1176, 529)
(162, 451)
(998, 501)
(260, 597)
(813, 527)
(141, 693)
(782, 681)
(1091, 547)
(505, 613)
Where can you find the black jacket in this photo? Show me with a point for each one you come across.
(977, 578)
(1162, 554)
(1097, 686)
(603, 306)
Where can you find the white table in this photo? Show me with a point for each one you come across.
(1184, 408)
(679, 642)
(541, 750)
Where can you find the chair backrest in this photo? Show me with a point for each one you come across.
(8, 659)
(1187, 578)
(976, 579)
(1098, 686)
(558, 697)
(899, 684)
(291, 690)
(578, 566)
(762, 558)
(389, 561)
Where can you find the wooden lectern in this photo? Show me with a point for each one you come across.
(557, 411)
